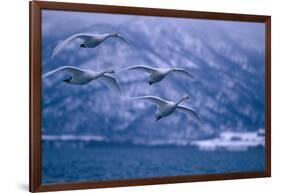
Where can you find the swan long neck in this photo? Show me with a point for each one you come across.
(110, 35)
(182, 99)
(113, 34)
(106, 35)
(170, 70)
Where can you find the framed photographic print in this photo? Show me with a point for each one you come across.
(123, 96)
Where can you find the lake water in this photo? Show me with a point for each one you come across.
(113, 163)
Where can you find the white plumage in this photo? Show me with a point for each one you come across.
(84, 76)
(165, 108)
(157, 74)
(87, 41)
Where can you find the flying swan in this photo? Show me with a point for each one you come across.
(165, 108)
(82, 76)
(157, 74)
(88, 41)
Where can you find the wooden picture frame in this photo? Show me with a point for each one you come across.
(35, 8)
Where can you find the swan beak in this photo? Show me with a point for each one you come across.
(82, 46)
(157, 118)
(67, 80)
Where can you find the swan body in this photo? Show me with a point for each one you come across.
(165, 108)
(157, 74)
(88, 40)
(83, 76)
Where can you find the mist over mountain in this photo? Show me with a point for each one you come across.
(225, 58)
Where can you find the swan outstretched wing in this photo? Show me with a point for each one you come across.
(110, 82)
(158, 101)
(63, 43)
(147, 69)
(183, 71)
(189, 112)
(69, 69)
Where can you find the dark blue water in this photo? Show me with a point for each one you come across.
(113, 163)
